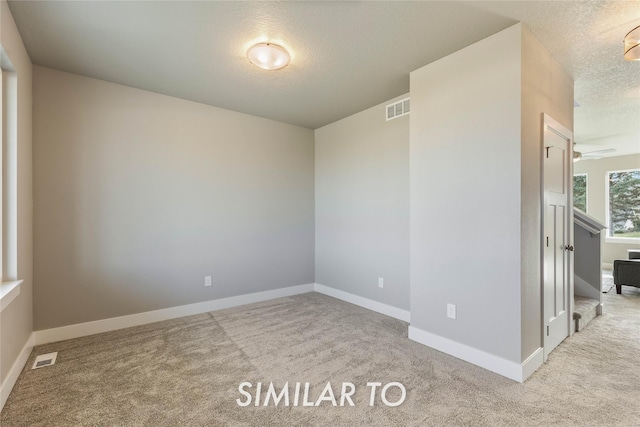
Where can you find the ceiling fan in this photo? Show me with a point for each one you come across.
(591, 155)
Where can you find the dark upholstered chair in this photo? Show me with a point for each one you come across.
(626, 272)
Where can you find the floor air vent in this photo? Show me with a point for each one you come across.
(45, 360)
(397, 109)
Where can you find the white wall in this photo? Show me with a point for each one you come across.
(16, 321)
(465, 195)
(139, 196)
(475, 174)
(362, 206)
(597, 181)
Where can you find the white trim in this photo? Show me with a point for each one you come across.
(8, 292)
(388, 310)
(512, 370)
(623, 240)
(587, 222)
(563, 132)
(532, 363)
(14, 372)
(98, 326)
(607, 212)
(607, 266)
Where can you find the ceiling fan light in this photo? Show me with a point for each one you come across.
(632, 45)
(268, 56)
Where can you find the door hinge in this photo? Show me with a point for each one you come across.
(547, 241)
(547, 330)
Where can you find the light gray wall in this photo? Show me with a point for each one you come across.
(476, 133)
(139, 196)
(546, 88)
(16, 321)
(362, 206)
(597, 181)
(588, 259)
(465, 174)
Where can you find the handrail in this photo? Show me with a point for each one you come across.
(587, 222)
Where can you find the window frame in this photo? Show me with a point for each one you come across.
(613, 239)
(10, 284)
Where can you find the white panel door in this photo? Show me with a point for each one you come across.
(557, 238)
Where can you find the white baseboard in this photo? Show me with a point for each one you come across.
(509, 369)
(512, 370)
(367, 303)
(89, 328)
(15, 371)
(607, 266)
(98, 326)
(532, 363)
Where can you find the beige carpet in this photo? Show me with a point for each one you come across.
(607, 281)
(186, 372)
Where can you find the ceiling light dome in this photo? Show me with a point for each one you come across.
(632, 45)
(268, 56)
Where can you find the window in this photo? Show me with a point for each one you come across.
(10, 285)
(623, 210)
(580, 191)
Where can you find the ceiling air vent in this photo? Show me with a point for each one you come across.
(398, 109)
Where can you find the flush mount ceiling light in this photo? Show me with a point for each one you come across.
(632, 45)
(268, 56)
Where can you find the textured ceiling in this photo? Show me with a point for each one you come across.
(346, 56)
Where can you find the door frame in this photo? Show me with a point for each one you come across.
(548, 123)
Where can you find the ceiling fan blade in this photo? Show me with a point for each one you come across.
(605, 151)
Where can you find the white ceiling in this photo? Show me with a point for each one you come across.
(346, 56)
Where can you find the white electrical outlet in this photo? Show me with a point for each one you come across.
(380, 282)
(207, 280)
(451, 311)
